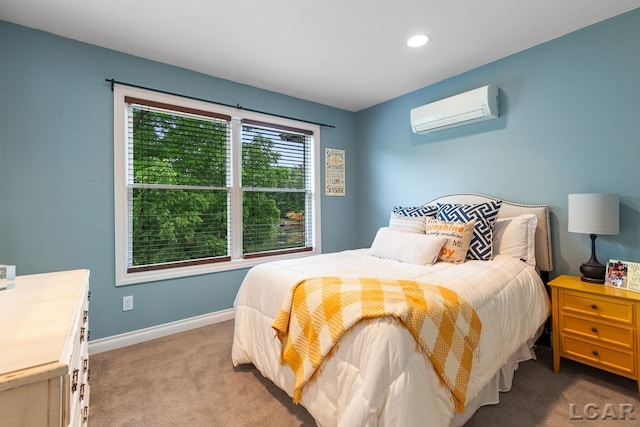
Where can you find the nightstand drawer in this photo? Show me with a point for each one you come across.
(598, 307)
(598, 356)
(601, 332)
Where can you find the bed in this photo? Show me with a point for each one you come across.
(376, 373)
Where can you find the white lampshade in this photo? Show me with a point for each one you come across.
(594, 213)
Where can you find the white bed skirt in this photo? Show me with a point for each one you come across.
(500, 383)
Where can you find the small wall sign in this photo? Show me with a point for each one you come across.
(334, 172)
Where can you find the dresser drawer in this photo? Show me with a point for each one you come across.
(599, 356)
(601, 332)
(597, 307)
(75, 389)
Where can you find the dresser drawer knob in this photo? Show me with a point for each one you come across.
(595, 353)
(593, 306)
(74, 380)
(594, 330)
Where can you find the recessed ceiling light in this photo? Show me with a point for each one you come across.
(418, 40)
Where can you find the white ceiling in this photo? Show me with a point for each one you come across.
(349, 54)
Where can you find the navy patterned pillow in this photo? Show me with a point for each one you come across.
(485, 215)
(416, 211)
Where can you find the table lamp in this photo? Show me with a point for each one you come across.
(593, 214)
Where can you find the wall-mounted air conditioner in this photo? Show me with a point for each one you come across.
(462, 109)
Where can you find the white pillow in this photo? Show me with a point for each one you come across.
(412, 248)
(516, 237)
(408, 224)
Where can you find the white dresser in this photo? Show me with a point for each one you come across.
(44, 359)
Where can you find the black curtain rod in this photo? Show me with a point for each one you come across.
(238, 106)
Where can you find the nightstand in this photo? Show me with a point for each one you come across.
(596, 325)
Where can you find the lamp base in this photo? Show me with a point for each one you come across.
(592, 272)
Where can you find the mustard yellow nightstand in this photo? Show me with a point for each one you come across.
(596, 325)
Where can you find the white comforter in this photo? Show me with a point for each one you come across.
(376, 377)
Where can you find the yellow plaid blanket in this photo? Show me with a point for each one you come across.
(319, 311)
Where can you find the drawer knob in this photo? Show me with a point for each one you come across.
(74, 381)
(593, 306)
(595, 353)
(594, 330)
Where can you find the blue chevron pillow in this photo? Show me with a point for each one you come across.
(485, 215)
(416, 211)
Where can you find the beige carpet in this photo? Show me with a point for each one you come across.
(187, 379)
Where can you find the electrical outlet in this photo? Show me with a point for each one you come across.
(127, 303)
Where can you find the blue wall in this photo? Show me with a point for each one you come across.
(56, 171)
(570, 123)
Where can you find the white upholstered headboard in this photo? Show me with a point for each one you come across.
(510, 209)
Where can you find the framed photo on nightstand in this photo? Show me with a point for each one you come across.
(623, 275)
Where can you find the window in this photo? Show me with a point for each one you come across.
(202, 188)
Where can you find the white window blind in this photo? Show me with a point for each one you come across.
(178, 180)
(277, 191)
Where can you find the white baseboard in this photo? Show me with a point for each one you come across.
(141, 335)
